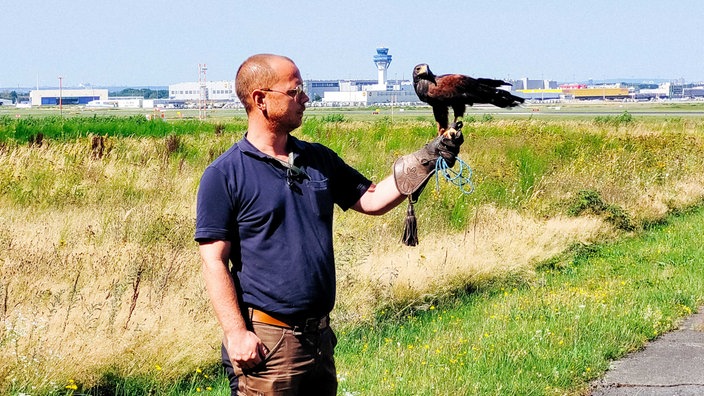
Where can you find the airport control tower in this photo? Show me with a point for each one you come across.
(382, 59)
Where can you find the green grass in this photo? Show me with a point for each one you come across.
(210, 381)
(33, 129)
(105, 220)
(547, 335)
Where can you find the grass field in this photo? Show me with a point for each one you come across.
(99, 267)
(572, 110)
(546, 334)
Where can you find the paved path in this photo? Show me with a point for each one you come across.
(672, 365)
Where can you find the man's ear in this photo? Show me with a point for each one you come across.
(258, 99)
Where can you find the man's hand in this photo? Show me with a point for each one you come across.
(245, 349)
(412, 171)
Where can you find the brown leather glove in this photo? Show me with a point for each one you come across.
(412, 171)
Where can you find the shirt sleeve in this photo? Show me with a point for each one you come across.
(350, 185)
(214, 207)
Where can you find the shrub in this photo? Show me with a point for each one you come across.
(590, 201)
(622, 119)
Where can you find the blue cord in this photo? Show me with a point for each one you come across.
(461, 178)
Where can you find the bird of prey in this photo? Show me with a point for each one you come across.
(457, 91)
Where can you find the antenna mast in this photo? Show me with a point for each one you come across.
(203, 98)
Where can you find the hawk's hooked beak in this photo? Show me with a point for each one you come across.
(425, 70)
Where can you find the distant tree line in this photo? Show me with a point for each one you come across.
(145, 93)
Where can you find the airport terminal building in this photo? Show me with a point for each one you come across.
(216, 91)
(366, 92)
(363, 92)
(54, 97)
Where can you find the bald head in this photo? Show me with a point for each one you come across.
(256, 72)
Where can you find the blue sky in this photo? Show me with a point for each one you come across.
(159, 42)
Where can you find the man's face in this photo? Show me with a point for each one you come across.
(285, 100)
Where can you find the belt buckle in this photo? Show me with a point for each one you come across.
(312, 325)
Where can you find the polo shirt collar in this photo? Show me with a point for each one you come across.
(293, 145)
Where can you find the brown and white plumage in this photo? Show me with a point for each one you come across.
(457, 91)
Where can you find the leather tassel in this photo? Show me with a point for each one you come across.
(410, 232)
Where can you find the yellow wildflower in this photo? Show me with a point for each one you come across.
(71, 385)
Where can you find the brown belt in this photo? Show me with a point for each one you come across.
(263, 317)
(306, 325)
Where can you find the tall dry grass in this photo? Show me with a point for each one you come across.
(99, 271)
(100, 275)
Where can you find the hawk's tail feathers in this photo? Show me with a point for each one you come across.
(505, 99)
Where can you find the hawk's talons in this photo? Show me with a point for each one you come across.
(455, 128)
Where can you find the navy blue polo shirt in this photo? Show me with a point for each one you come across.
(279, 226)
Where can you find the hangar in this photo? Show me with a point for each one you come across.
(52, 97)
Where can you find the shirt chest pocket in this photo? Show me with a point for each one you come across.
(319, 196)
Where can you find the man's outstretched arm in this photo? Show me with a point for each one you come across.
(410, 174)
(380, 198)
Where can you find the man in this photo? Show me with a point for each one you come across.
(266, 206)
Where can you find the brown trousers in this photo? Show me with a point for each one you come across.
(297, 364)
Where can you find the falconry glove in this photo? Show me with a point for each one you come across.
(412, 172)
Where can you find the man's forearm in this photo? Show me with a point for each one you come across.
(380, 198)
(221, 286)
(223, 297)
(243, 346)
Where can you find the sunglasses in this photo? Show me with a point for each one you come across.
(294, 93)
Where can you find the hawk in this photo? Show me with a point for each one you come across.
(457, 91)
